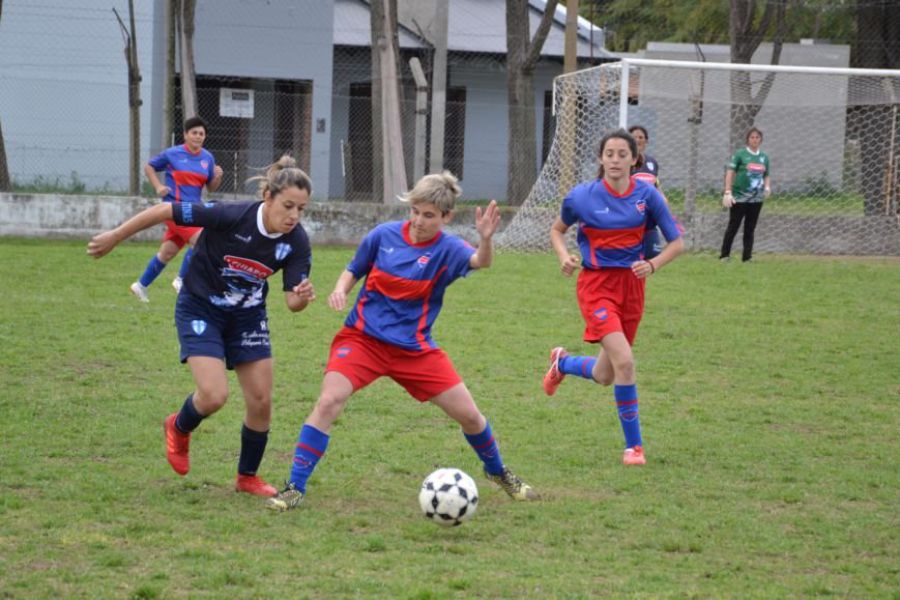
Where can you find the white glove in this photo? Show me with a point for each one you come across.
(727, 199)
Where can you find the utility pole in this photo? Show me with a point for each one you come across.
(421, 113)
(439, 86)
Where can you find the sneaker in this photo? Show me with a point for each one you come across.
(177, 283)
(554, 377)
(253, 484)
(177, 445)
(512, 485)
(140, 291)
(634, 456)
(287, 499)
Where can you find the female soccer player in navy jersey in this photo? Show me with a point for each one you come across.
(221, 312)
(611, 213)
(188, 168)
(646, 168)
(407, 266)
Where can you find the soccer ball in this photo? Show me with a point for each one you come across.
(448, 497)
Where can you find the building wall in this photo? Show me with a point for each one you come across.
(270, 39)
(63, 90)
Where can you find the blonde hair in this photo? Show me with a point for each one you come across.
(280, 175)
(441, 189)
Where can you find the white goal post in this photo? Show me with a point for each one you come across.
(833, 137)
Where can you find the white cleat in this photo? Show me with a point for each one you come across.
(140, 291)
(177, 283)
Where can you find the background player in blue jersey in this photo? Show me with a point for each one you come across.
(612, 214)
(407, 266)
(188, 168)
(646, 168)
(221, 312)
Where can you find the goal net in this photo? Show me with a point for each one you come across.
(832, 136)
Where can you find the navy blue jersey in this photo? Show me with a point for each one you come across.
(405, 283)
(648, 171)
(234, 255)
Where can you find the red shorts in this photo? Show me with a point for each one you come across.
(610, 300)
(362, 359)
(179, 234)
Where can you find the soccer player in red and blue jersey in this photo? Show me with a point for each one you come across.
(612, 214)
(188, 168)
(221, 313)
(407, 266)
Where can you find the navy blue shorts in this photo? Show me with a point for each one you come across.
(237, 336)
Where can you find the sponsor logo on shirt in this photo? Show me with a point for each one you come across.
(756, 168)
(198, 326)
(248, 266)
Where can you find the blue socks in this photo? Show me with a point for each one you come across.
(185, 262)
(253, 445)
(486, 448)
(627, 404)
(311, 445)
(154, 268)
(582, 366)
(188, 418)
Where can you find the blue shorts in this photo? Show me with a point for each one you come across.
(237, 336)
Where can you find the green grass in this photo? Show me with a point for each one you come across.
(769, 405)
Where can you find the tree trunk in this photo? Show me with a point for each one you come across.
(745, 39)
(379, 37)
(188, 74)
(521, 58)
(134, 102)
(168, 100)
(877, 46)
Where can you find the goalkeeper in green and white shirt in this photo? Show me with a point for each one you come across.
(746, 186)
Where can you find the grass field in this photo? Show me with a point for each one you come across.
(769, 405)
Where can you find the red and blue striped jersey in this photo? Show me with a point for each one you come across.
(186, 172)
(404, 283)
(611, 226)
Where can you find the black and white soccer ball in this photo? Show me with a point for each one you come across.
(448, 497)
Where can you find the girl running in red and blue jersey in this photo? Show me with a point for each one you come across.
(221, 313)
(188, 168)
(612, 214)
(407, 266)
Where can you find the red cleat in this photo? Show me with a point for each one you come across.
(177, 445)
(253, 484)
(634, 456)
(554, 377)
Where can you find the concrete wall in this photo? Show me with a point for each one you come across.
(47, 215)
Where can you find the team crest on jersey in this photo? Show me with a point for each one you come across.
(198, 326)
(641, 206)
(204, 164)
(282, 250)
(601, 314)
(423, 261)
